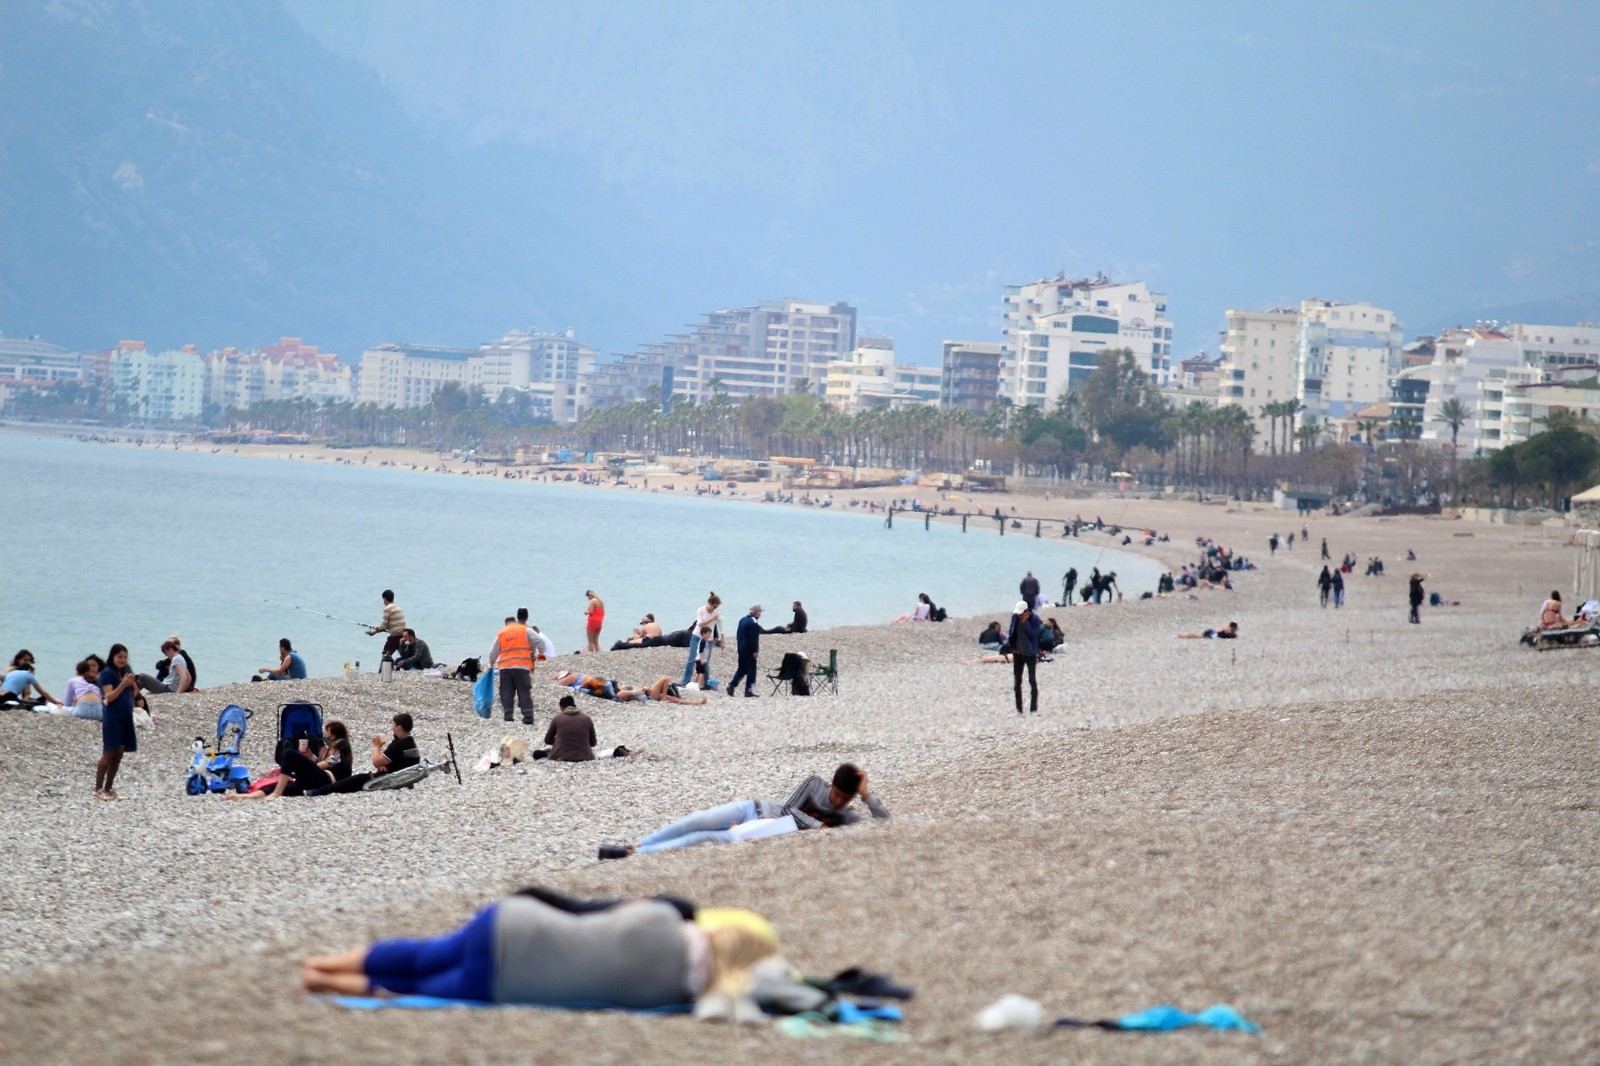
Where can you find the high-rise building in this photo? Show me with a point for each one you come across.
(765, 350)
(523, 358)
(1331, 358)
(970, 375)
(1056, 329)
(165, 386)
(30, 363)
(287, 370)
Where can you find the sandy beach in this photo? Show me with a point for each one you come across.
(1374, 839)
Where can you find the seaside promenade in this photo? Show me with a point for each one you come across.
(1376, 840)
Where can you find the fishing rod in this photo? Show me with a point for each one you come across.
(322, 614)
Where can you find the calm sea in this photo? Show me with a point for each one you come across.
(106, 544)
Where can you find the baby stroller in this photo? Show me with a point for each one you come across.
(219, 769)
(297, 722)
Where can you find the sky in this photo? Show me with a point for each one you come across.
(1438, 158)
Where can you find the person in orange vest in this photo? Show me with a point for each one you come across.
(512, 655)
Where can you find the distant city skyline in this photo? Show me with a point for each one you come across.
(436, 173)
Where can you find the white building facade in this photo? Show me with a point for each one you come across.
(525, 358)
(407, 375)
(1054, 331)
(165, 386)
(868, 377)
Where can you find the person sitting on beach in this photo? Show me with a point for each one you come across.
(531, 948)
(172, 674)
(661, 689)
(1227, 632)
(82, 697)
(19, 681)
(163, 668)
(1550, 616)
(815, 805)
(299, 771)
(546, 646)
(291, 667)
(389, 754)
(413, 652)
(992, 635)
(647, 629)
(922, 612)
(571, 735)
(1052, 637)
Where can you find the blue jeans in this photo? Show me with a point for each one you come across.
(703, 827)
(688, 667)
(458, 965)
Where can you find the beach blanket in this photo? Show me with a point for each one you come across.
(439, 1003)
(1166, 1018)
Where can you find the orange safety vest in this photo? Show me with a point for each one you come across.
(516, 650)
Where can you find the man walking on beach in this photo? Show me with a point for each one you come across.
(747, 641)
(512, 655)
(394, 624)
(1069, 581)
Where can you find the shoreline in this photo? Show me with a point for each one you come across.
(1352, 829)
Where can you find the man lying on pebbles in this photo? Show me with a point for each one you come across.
(814, 805)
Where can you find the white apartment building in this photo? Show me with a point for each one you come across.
(1260, 362)
(165, 386)
(1508, 378)
(30, 363)
(287, 370)
(1348, 353)
(407, 375)
(868, 377)
(523, 358)
(1056, 329)
(764, 350)
(1331, 357)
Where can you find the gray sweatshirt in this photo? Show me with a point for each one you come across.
(811, 809)
(634, 955)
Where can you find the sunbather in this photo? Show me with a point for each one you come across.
(814, 805)
(661, 689)
(1550, 616)
(1227, 632)
(530, 948)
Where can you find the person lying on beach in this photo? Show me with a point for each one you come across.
(1227, 632)
(299, 770)
(816, 804)
(1001, 656)
(661, 689)
(19, 681)
(529, 948)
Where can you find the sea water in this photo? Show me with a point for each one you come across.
(106, 544)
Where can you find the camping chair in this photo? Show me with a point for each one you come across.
(793, 667)
(827, 675)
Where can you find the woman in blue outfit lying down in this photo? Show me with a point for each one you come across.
(538, 947)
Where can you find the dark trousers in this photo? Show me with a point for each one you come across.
(1031, 663)
(1416, 611)
(391, 645)
(747, 671)
(516, 684)
(305, 771)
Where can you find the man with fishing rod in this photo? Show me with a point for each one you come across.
(394, 624)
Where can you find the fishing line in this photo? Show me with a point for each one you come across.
(321, 614)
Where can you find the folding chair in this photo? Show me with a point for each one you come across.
(791, 668)
(827, 675)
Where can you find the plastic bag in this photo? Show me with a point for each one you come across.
(483, 693)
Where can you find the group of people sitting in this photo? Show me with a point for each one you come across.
(319, 766)
(175, 672)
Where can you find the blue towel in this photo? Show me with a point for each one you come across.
(847, 1013)
(1166, 1018)
(437, 1003)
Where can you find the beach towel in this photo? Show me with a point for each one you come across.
(1166, 1018)
(439, 1003)
(483, 693)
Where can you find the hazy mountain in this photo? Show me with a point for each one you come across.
(184, 170)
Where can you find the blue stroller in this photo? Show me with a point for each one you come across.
(297, 722)
(219, 769)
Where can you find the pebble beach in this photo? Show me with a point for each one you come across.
(1375, 840)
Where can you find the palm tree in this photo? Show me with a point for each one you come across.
(1453, 413)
